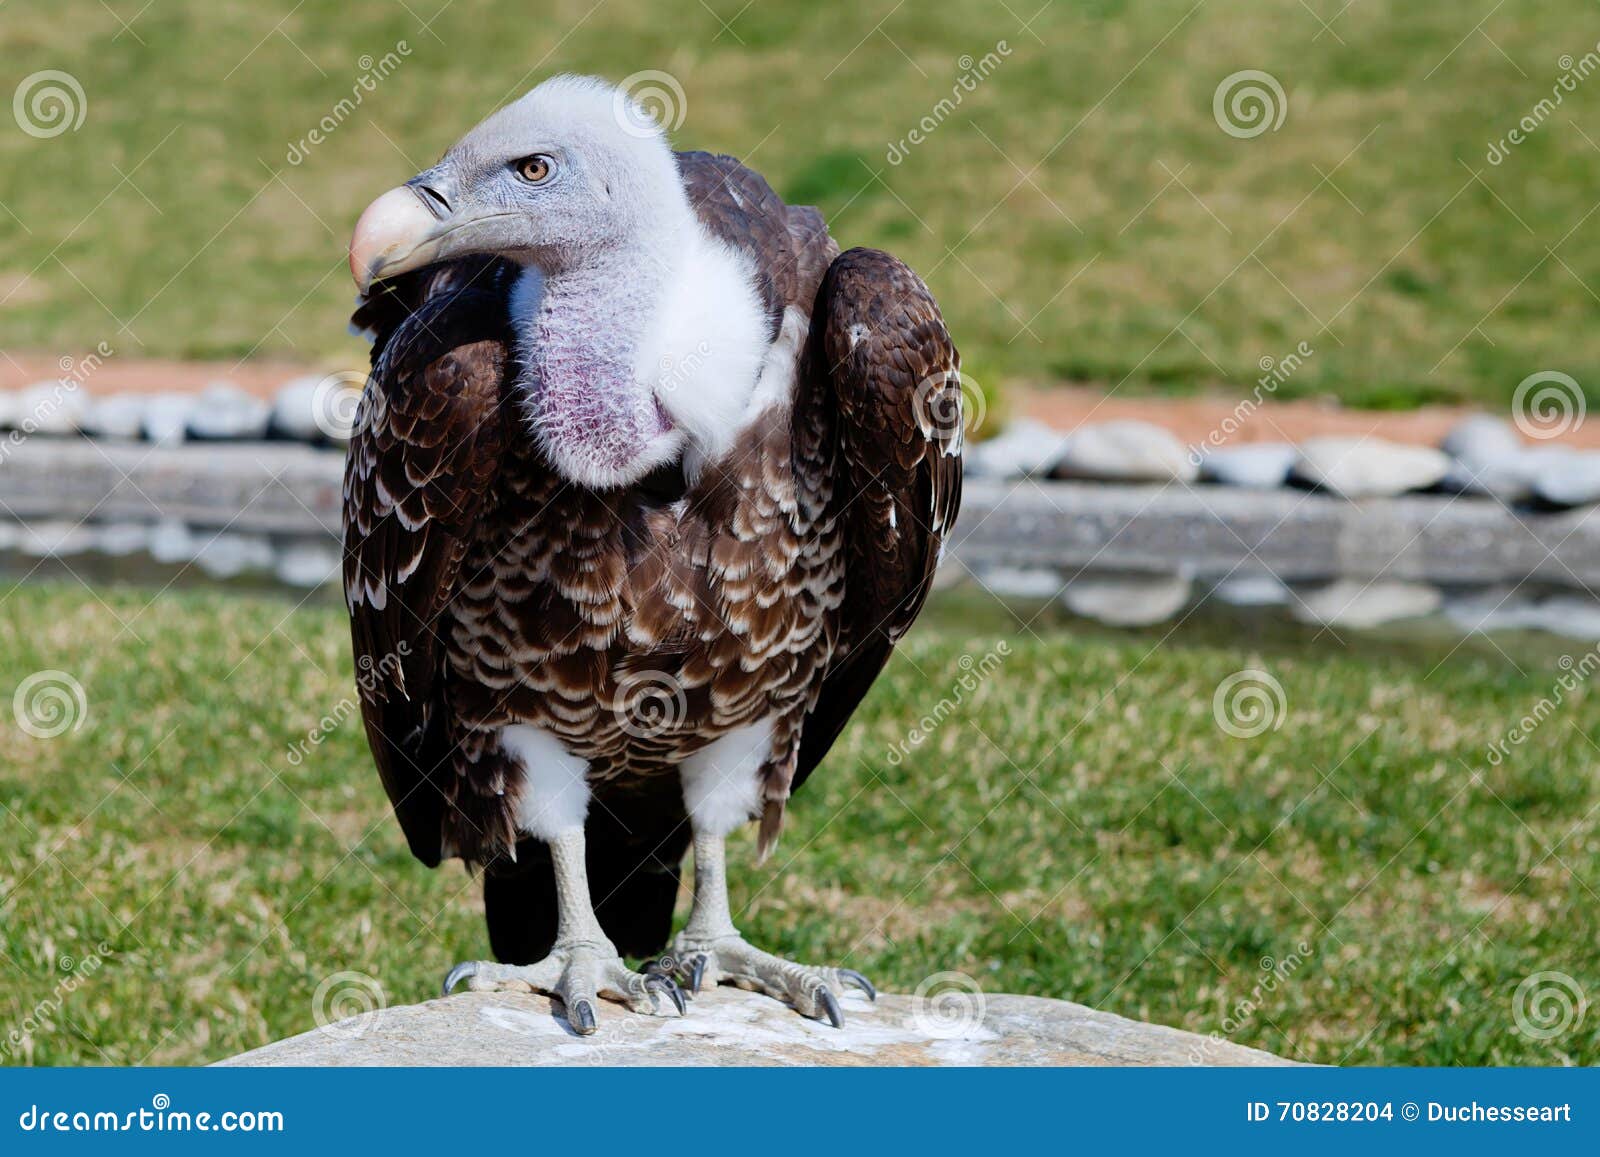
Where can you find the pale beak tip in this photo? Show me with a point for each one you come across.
(389, 229)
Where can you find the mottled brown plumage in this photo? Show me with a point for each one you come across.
(486, 590)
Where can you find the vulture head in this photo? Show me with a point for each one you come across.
(568, 174)
(641, 337)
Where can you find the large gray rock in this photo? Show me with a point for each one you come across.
(1369, 467)
(727, 1026)
(1128, 600)
(1481, 439)
(1573, 480)
(224, 412)
(166, 418)
(1256, 465)
(1361, 605)
(50, 408)
(317, 409)
(1125, 452)
(120, 417)
(1024, 448)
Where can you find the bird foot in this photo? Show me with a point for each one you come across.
(813, 990)
(576, 973)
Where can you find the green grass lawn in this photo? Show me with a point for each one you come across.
(1078, 826)
(1080, 213)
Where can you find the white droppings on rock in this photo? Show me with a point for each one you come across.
(727, 1026)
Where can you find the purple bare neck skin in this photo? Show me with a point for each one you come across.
(583, 398)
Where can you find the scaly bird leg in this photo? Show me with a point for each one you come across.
(583, 964)
(710, 949)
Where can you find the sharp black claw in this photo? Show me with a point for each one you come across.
(660, 983)
(582, 1017)
(851, 976)
(697, 973)
(830, 1007)
(459, 973)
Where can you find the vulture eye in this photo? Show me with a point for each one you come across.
(533, 169)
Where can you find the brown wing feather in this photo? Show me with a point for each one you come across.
(880, 355)
(428, 445)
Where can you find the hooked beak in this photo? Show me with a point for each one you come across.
(396, 233)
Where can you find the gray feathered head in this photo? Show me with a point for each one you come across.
(552, 180)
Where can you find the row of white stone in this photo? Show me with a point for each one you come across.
(301, 561)
(1481, 455)
(1147, 600)
(318, 410)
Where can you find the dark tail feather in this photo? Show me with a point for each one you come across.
(633, 880)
